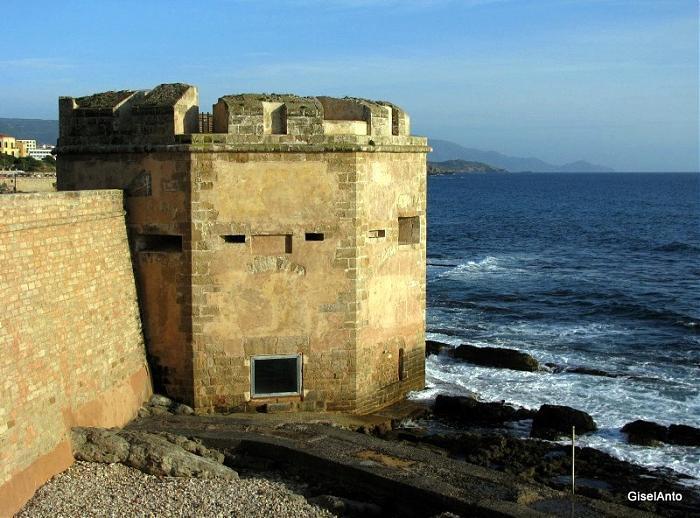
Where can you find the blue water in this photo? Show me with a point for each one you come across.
(591, 270)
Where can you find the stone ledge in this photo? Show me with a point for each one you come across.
(208, 143)
(407, 479)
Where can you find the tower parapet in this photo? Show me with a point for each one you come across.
(129, 116)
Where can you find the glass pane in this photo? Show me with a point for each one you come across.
(274, 376)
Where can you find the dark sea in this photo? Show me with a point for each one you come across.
(581, 270)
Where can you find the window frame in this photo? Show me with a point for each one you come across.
(299, 371)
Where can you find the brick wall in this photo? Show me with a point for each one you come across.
(70, 333)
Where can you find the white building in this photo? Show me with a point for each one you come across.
(41, 152)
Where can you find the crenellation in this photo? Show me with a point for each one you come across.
(129, 117)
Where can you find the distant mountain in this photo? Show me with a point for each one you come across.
(444, 150)
(43, 131)
(46, 132)
(461, 166)
(581, 166)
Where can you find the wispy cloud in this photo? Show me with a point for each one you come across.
(37, 63)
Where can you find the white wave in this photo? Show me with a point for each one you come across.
(485, 265)
(612, 402)
(561, 344)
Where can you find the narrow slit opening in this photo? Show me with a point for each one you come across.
(402, 365)
(234, 238)
(314, 236)
(158, 243)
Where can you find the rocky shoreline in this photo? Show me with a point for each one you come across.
(480, 435)
(172, 462)
(559, 420)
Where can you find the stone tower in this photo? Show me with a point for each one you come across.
(278, 242)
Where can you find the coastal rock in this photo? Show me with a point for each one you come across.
(684, 435)
(433, 347)
(470, 410)
(590, 372)
(523, 413)
(161, 454)
(645, 433)
(648, 433)
(160, 405)
(180, 409)
(158, 400)
(602, 476)
(99, 445)
(553, 421)
(555, 368)
(496, 357)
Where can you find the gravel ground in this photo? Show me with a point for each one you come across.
(91, 489)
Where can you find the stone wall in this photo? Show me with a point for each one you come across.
(254, 301)
(163, 272)
(391, 278)
(70, 335)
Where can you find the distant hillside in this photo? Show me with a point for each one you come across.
(43, 131)
(46, 132)
(461, 166)
(444, 150)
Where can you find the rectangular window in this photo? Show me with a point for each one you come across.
(402, 365)
(314, 236)
(276, 244)
(275, 376)
(373, 234)
(157, 243)
(140, 186)
(409, 230)
(234, 238)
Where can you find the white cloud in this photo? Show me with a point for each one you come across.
(36, 63)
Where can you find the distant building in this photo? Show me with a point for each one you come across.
(8, 145)
(41, 152)
(25, 147)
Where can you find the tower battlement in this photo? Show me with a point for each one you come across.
(169, 113)
(129, 116)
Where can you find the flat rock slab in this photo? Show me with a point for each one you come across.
(496, 357)
(397, 475)
(162, 454)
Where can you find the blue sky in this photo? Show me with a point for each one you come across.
(610, 81)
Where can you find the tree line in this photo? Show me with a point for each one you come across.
(28, 164)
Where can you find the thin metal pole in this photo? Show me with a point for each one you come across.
(573, 459)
